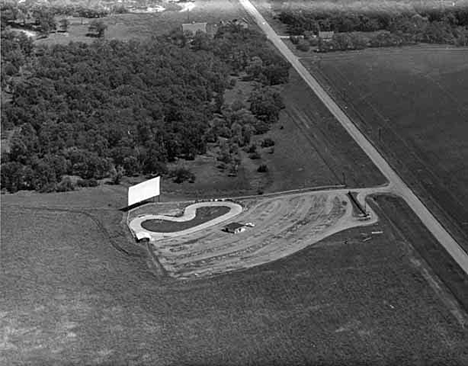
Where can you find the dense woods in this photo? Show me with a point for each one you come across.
(355, 30)
(116, 108)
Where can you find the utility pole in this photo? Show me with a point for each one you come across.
(344, 179)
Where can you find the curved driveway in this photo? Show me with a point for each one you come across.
(397, 184)
(189, 214)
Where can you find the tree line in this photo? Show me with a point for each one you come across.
(114, 108)
(442, 25)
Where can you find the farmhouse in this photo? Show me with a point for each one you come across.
(234, 228)
(326, 36)
(194, 27)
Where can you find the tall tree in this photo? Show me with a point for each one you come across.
(64, 23)
(97, 27)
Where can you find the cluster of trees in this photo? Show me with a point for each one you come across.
(23, 12)
(237, 123)
(98, 107)
(17, 49)
(359, 41)
(42, 18)
(97, 28)
(35, 18)
(443, 25)
(243, 49)
(114, 108)
(81, 11)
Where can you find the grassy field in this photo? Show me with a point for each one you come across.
(311, 149)
(424, 243)
(318, 128)
(203, 214)
(68, 297)
(411, 103)
(144, 26)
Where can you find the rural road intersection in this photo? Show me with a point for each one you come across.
(399, 187)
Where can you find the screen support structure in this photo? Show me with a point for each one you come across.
(146, 190)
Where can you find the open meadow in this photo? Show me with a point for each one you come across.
(69, 297)
(311, 150)
(411, 102)
(143, 26)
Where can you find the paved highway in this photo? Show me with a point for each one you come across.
(396, 183)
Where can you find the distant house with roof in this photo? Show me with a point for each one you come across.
(234, 228)
(194, 27)
(326, 36)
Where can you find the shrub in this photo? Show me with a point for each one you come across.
(252, 149)
(309, 35)
(262, 168)
(65, 185)
(224, 157)
(314, 42)
(10, 69)
(87, 182)
(181, 175)
(294, 39)
(303, 45)
(48, 188)
(261, 128)
(116, 175)
(267, 142)
(120, 9)
(254, 156)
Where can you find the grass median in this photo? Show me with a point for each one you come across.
(203, 214)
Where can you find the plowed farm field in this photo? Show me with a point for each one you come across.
(412, 103)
